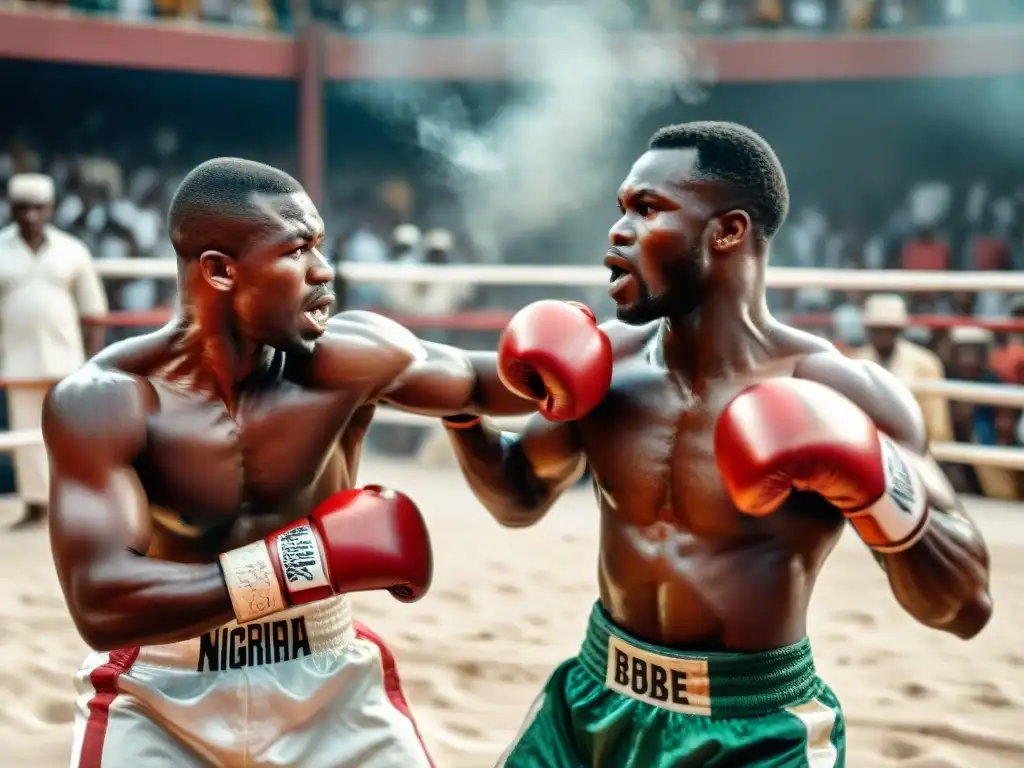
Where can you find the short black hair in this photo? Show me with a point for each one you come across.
(738, 158)
(218, 194)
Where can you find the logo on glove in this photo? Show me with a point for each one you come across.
(300, 559)
(899, 485)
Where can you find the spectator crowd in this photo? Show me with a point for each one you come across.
(447, 16)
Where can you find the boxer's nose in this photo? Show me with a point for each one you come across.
(621, 234)
(320, 270)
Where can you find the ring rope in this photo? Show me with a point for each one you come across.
(496, 319)
(779, 277)
(516, 274)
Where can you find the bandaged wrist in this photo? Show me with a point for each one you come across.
(899, 518)
(252, 582)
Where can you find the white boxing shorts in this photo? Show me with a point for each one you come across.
(307, 688)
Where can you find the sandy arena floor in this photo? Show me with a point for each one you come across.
(474, 653)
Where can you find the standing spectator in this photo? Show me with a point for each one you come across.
(47, 283)
(926, 250)
(884, 319)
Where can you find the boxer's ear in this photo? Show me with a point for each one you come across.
(218, 270)
(730, 231)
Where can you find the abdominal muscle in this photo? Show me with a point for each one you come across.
(668, 587)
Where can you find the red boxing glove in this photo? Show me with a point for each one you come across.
(792, 434)
(356, 540)
(553, 352)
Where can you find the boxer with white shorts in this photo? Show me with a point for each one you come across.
(204, 519)
(321, 692)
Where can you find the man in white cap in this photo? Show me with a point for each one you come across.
(885, 319)
(47, 284)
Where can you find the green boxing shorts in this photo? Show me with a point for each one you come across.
(624, 703)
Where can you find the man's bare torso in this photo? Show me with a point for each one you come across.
(216, 478)
(679, 565)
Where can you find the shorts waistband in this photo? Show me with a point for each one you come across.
(316, 628)
(712, 684)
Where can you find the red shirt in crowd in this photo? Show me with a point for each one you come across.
(925, 254)
(990, 253)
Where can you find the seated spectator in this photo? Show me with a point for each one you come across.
(429, 299)
(362, 246)
(967, 350)
(847, 323)
(971, 348)
(405, 243)
(884, 319)
(1007, 360)
(988, 249)
(997, 482)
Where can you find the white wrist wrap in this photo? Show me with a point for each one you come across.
(901, 515)
(298, 550)
(252, 582)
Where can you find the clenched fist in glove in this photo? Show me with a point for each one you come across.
(356, 540)
(553, 352)
(791, 434)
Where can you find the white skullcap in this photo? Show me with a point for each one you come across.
(885, 310)
(970, 334)
(438, 240)
(406, 234)
(32, 188)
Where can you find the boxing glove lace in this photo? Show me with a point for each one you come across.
(554, 353)
(792, 434)
(356, 540)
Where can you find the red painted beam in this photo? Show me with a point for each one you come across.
(764, 58)
(54, 36)
(60, 37)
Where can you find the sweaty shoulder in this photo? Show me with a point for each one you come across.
(868, 385)
(628, 340)
(364, 349)
(96, 416)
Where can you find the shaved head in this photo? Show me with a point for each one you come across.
(224, 202)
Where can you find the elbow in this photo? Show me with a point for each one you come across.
(95, 617)
(98, 632)
(519, 512)
(972, 617)
(521, 517)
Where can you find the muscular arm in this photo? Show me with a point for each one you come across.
(412, 374)
(518, 477)
(94, 424)
(942, 580)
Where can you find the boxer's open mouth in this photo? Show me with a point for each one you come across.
(621, 272)
(319, 311)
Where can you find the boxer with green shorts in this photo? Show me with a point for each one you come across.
(623, 702)
(728, 451)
